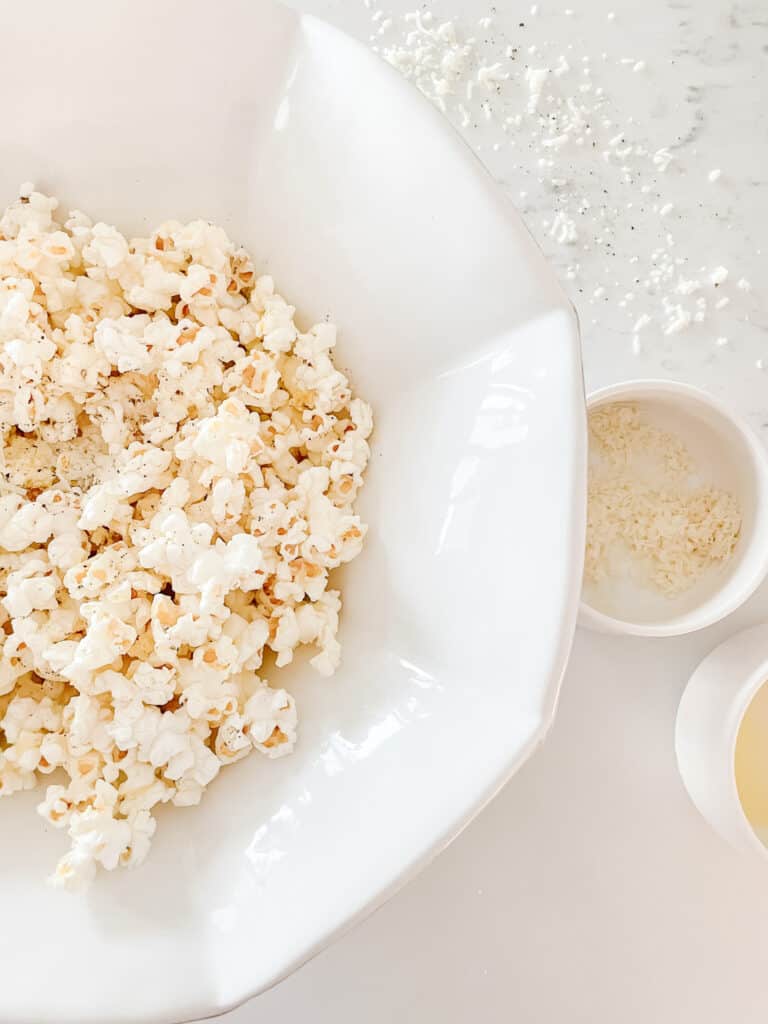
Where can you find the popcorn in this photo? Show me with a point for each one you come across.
(271, 717)
(31, 588)
(107, 247)
(180, 466)
(30, 524)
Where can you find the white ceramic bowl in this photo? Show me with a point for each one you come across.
(708, 720)
(458, 618)
(728, 454)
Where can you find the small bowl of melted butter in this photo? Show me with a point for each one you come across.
(721, 739)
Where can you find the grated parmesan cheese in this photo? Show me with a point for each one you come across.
(647, 509)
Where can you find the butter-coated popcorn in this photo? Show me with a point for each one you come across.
(179, 469)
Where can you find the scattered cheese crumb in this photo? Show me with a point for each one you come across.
(662, 158)
(490, 76)
(564, 229)
(679, 320)
(719, 276)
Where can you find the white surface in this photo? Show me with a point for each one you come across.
(727, 454)
(459, 614)
(591, 891)
(707, 726)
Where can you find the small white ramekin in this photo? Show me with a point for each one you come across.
(738, 461)
(708, 720)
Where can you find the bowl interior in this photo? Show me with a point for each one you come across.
(458, 616)
(725, 457)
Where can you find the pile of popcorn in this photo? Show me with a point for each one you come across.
(179, 470)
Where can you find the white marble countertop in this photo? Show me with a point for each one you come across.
(590, 890)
